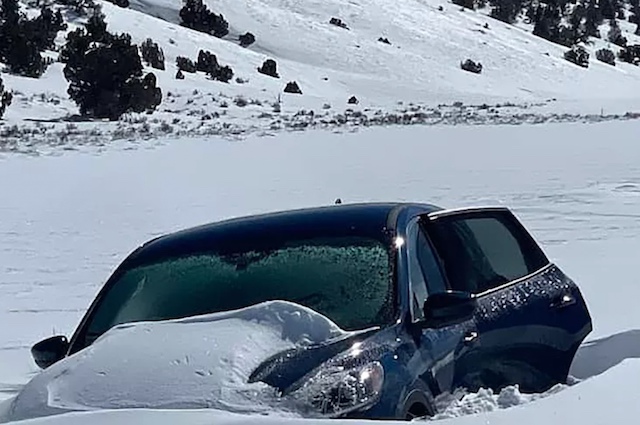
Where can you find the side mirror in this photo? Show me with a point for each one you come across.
(448, 308)
(49, 351)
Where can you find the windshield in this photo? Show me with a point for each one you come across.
(347, 279)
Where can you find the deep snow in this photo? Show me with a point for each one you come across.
(67, 221)
(406, 82)
(198, 362)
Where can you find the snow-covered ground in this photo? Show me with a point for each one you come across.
(416, 79)
(68, 220)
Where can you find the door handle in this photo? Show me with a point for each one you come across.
(563, 301)
(470, 337)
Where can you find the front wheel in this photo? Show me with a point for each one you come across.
(417, 405)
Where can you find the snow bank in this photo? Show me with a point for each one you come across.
(199, 362)
(611, 398)
(485, 400)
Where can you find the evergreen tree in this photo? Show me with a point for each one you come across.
(152, 54)
(593, 19)
(185, 64)
(5, 98)
(608, 9)
(44, 29)
(615, 34)
(120, 3)
(105, 73)
(22, 40)
(506, 10)
(80, 7)
(576, 19)
(197, 16)
(547, 23)
(635, 8)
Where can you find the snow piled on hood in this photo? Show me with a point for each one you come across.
(197, 362)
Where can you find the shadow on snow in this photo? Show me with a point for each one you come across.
(598, 356)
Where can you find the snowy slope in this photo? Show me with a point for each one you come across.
(423, 62)
(416, 74)
(68, 221)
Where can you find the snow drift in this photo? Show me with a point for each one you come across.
(198, 362)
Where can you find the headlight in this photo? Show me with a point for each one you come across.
(335, 392)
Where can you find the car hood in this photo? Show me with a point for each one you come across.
(230, 361)
(286, 368)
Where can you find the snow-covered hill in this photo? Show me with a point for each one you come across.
(417, 72)
(421, 65)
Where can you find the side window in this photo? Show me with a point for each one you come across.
(424, 272)
(483, 250)
(429, 265)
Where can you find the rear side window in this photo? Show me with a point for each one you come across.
(482, 250)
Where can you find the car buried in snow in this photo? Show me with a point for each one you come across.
(418, 301)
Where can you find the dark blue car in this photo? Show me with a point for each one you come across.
(437, 299)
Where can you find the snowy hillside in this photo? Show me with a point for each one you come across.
(407, 81)
(421, 65)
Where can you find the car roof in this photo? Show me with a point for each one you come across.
(376, 220)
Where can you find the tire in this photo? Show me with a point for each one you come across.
(418, 404)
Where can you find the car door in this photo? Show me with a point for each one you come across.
(531, 317)
(451, 351)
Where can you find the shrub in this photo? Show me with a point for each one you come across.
(606, 56)
(247, 39)
(292, 87)
(185, 65)
(353, 100)
(152, 54)
(468, 4)
(80, 7)
(338, 23)
(207, 61)
(471, 66)
(506, 10)
(197, 16)
(270, 68)
(120, 3)
(5, 98)
(240, 101)
(578, 55)
(615, 35)
(143, 94)
(105, 73)
(222, 73)
(179, 75)
(630, 54)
